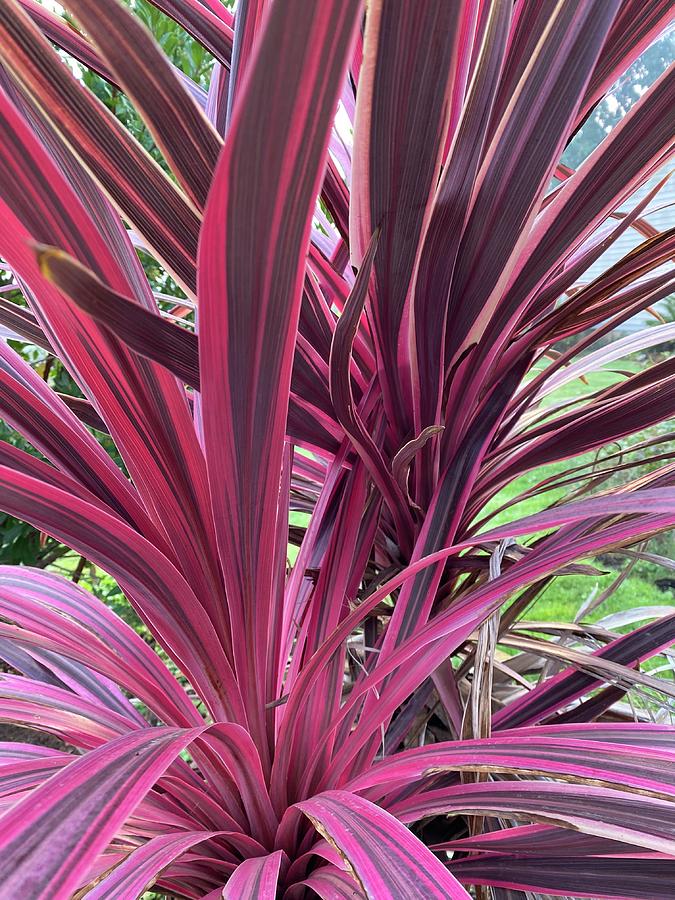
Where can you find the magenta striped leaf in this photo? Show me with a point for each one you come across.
(140, 329)
(248, 26)
(256, 878)
(152, 427)
(208, 21)
(216, 100)
(148, 334)
(441, 243)
(428, 646)
(402, 115)
(552, 695)
(50, 837)
(52, 668)
(643, 878)
(593, 810)
(642, 141)
(385, 857)
(559, 756)
(42, 610)
(181, 129)
(342, 397)
(140, 870)
(541, 840)
(161, 595)
(135, 182)
(230, 747)
(46, 421)
(249, 313)
(23, 772)
(82, 722)
(560, 67)
(635, 27)
(67, 38)
(330, 883)
(23, 324)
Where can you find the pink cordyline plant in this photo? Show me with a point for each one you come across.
(376, 308)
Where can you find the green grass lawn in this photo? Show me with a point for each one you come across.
(561, 600)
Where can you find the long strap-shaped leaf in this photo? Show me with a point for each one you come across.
(182, 131)
(64, 35)
(441, 243)
(231, 747)
(649, 877)
(443, 517)
(49, 839)
(57, 615)
(592, 249)
(617, 765)
(251, 267)
(444, 633)
(144, 331)
(607, 813)
(641, 141)
(51, 667)
(388, 861)
(425, 649)
(137, 185)
(176, 348)
(557, 693)
(342, 397)
(216, 101)
(208, 21)
(255, 878)
(615, 413)
(82, 722)
(329, 883)
(539, 840)
(145, 410)
(19, 774)
(162, 596)
(140, 869)
(402, 115)
(638, 23)
(24, 325)
(520, 160)
(248, 24)
(32, 408)
(25, 462)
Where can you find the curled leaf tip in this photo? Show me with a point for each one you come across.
(45, 255)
